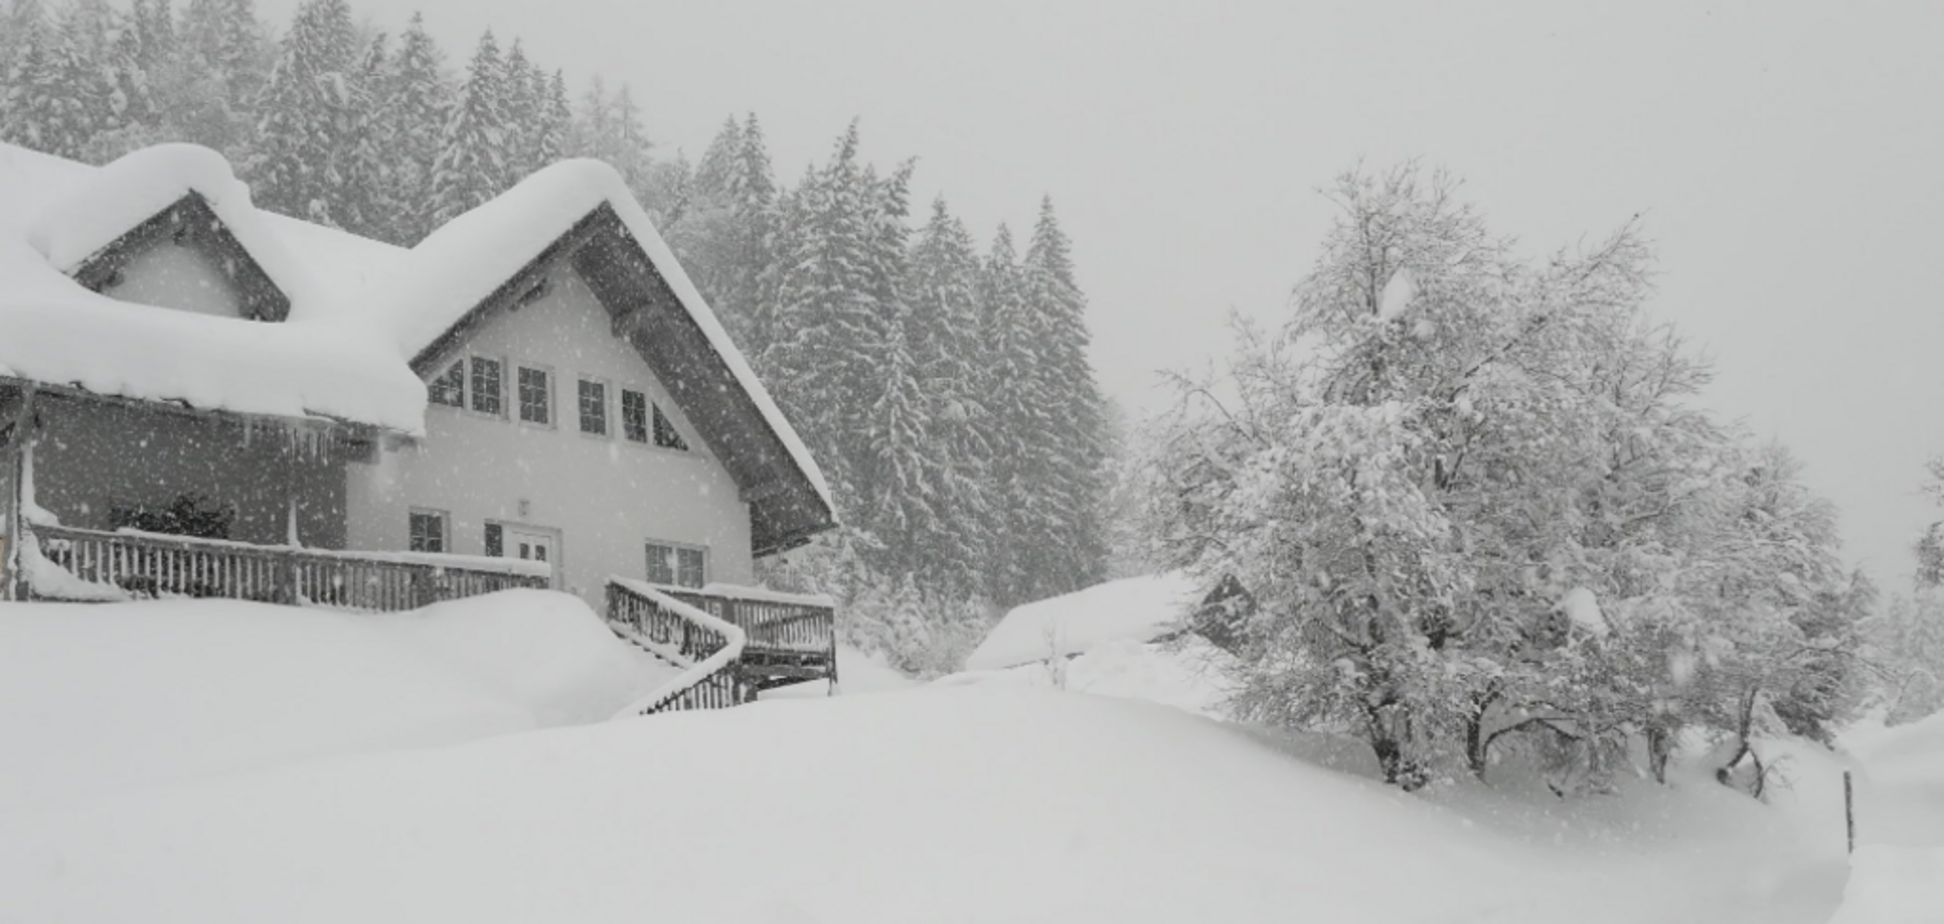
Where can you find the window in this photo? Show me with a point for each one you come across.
(593, 408)
(666, 435)
(486, 378)
(536, 399)
(495, 541)
(449, 388)
(634, 415)
(428, 531)
(682, 566)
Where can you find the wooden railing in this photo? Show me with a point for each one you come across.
(706, 648)
(96, 565)
(773, 622)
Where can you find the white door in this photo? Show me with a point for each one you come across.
(532, 546)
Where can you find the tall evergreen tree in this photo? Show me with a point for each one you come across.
(552, 138)
(307, 115)
(1073, 488)
(53, 99)
(1020, 429)
(947, 346)
(522, 101)
(828, 332)
(471, 167)
(417, 103)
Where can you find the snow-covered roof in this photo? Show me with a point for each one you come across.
(461, 265)
(55, 214)
(359, 310)
(1135, 609)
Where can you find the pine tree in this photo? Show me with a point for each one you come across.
(53, 97)
(942, 280)
(306, 115)
(522, 97)
(1073, 488)
(417, 103)
(828, 329)
(155, 33)
(471, 168)
(365, 200)
(552, 137)
(1019, 429)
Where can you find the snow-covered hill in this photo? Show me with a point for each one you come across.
(312, 767)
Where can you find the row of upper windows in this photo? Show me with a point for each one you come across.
(479, 383)
(678, 565)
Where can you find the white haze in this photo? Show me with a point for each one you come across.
(1786, 155)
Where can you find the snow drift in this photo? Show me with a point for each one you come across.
(1133, 609)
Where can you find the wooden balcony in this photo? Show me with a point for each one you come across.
(64, 563)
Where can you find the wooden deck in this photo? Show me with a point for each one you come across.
(96, 566)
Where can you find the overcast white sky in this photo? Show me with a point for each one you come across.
(1787, 155)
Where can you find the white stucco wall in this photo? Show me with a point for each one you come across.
(606, 497)
(176, 276)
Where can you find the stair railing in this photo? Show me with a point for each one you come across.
(707, 648)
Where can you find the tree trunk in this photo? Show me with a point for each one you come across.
(1660, 747)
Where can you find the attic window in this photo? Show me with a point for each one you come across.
(666, 436)
(486, 377)
(449, 388)
(634, 416)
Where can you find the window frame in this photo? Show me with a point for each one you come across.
(462, 365)
(658, 421)
(647, 417)
(519, 398)
(444, 519)
(472, 393)
(580, 407)
(677, 548)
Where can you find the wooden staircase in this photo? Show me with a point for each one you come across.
(730, 644)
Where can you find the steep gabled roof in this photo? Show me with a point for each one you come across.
(580, 212)
(58, 217)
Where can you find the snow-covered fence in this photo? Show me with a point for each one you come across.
(84, 564)
(707, 648)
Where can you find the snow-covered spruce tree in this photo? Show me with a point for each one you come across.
(417, 100)
(524, 93)
(555, 121)
(948, 349)
(222, 40)
(472, 162)
(54, 98)
(1020, 430)
(1073, 484)
(829, 332)
(306, 115)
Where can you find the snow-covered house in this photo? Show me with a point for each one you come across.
(535, 393)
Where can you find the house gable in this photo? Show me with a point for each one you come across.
(785, 507)
(186, 259)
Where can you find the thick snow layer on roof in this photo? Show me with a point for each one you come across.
(458, 266)
(1133, 609)
(140, 185)
(54, 214)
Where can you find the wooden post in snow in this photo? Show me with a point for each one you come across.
(1849, 809)
(20, 462)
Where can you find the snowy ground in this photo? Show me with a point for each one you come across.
(210, 762)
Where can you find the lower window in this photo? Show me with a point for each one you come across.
(428, 531)
(678, 565)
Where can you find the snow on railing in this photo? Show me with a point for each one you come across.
(802, 623)
(66, 560)
(706, 647)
